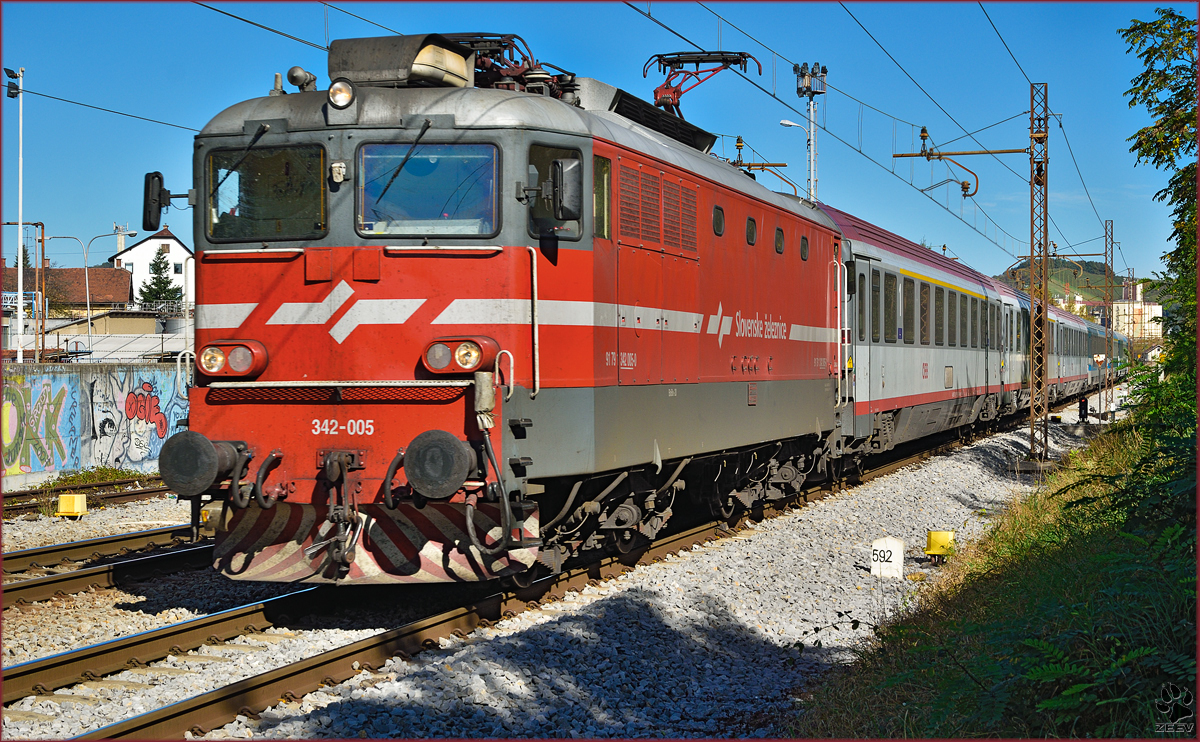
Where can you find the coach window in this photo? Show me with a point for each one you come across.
(994, 327)
(1025, 323)
(804, 248)
(874, 306)
(889, 308)
(974, 322)
(718, 221)
(541, 211)
(779, 240)
(952, 320)
(862, 307)
(964, 316)
(939, 316)
(924, 313)
(909, 311)
(602, 196)
(751, 230)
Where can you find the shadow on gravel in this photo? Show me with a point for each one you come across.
(622, 669)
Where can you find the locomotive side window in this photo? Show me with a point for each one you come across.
(541, 212)
(862, 307)
(889, 308)
(442, 189)
(924, 313)
(939, 316)
(602, 196)
(952, 320)
(909, 312)
(718, 221)
(974, 322)
(804, 248)
(266, 193)
(751, 230)
(779, 240)
(875, 324)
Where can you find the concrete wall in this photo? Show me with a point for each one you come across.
(64, 417)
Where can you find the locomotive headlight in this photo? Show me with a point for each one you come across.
(341, 93)
(467, 355)
(212, 359)
(240, 359)
(438, 356)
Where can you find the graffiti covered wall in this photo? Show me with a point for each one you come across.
(64, 417)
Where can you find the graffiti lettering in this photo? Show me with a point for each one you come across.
(145, 407)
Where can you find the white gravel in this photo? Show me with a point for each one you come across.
(700, 644)
(31, 531)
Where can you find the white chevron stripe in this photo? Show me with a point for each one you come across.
(374, 312)
(222, 316)
(312, 313)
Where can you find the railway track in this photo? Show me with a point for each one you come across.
(22, 502)
(209, 710)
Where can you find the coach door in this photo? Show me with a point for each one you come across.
(864, 303)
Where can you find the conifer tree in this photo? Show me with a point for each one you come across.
(159, 287)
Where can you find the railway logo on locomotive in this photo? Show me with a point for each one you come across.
(719, 326)
(361, 312)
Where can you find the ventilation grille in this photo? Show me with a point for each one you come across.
(630, 206)
(330, 394)
(651, 214)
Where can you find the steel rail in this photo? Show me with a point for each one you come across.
(106, 575)
(32, 505)
(77, 487)
(215, 708)
(50, 556)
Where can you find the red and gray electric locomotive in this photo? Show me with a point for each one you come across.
(457, 315)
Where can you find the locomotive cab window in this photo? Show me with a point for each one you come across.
(718, 221)
(602, 196)
(442, 189)
(779, 240)
(266, 193)
(751, 230)
(541, 211)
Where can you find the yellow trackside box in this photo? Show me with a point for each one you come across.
(71, 506)
(938, 542)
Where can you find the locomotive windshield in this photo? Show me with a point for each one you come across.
(442, 189)
(268, 193)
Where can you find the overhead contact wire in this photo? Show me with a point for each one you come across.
(843, 141)
(313, 44)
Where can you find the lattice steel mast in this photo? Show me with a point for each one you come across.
(1039, 261)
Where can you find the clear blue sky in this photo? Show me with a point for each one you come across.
(182, 63)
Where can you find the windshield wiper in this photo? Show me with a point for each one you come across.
(262, 129)
(424, 128)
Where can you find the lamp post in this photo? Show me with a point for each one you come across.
(87, 286)
(810, 83)
(14, 91)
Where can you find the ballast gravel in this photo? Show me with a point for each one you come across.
(31, 531)
(692, 646)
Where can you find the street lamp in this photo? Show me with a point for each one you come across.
(87, 286)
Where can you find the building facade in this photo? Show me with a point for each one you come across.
(136, 260)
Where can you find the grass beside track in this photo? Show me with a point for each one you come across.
(1056, 623)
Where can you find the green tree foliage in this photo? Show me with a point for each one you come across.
(159, 287)
(1167, 89)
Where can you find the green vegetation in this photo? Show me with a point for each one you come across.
(1078, 607)
(159, 287)
(86, 477)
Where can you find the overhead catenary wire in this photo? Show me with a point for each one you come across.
(1066, 139)
(107, 110)
(885, 168)
(364, 20)
(313, 44)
